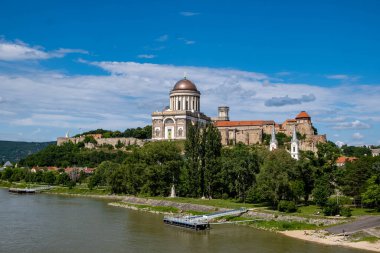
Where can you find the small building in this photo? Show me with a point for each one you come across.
(375, 152)
(342, 160)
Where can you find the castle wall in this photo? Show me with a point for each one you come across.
(101, 141)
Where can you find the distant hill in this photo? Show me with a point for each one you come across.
(15, 150)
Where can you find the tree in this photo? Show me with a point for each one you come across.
(239, 165)
(371, 197)
(322, 191)
(49, 177)
(352, 177)
(191, 172)
(212, 152)
(63, 179)
(275, 177)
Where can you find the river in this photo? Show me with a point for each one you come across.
(52, 223)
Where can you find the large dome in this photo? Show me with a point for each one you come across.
(185, 84)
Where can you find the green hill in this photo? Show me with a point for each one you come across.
(14, 150)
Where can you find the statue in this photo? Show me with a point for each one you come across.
(172, 192)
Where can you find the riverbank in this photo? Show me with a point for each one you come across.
(322, 237)
(292, 225)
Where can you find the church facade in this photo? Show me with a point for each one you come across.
(184, 109)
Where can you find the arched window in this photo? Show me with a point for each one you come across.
(179, 105)
(169, 121)
(187, 105)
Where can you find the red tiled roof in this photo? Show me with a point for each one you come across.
(303, 114)
(344, 159)
(243, 123)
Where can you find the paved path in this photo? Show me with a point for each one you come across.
(359, 224)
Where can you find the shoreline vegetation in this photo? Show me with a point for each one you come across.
(301, 226)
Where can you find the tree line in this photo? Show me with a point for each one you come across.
(201, 167)
(139, 133)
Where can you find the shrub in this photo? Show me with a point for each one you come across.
(342, 200)
(331, 208)
(345, 211)
(287, 206)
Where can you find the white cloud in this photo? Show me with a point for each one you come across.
(19, 51)
(339, 143)
(146, 56)
(343, 77)
(131, 91)
(356, 124)
(186, 41)
(163, 38)
(189, 13)
(357, 136)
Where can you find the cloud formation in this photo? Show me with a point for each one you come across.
(19, 51)
(356, 124)
(186, 41)
(283, 101)
(188, 13)
(343, 77)
(163, 38)
(146, 56)
(357, 136)
(129, 92)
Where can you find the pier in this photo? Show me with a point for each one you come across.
(200, 222)
(30, 190)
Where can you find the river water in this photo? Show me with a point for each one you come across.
(43, 223)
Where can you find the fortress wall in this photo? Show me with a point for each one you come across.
(101, 141)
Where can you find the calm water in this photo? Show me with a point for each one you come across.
(49, 223)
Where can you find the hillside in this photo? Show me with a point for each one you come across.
(14, 150)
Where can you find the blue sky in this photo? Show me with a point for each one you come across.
(80, 65)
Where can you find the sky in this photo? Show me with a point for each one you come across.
(81, 65)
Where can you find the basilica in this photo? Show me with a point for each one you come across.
(184, 109)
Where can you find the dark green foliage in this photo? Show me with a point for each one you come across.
(69, 154)
(63, 179)
(239, 166)
(139, 133)
(90, 139)
(287, 206)
(276, 176)
(119, 144)
(353, 176)
(356, 151)
(371, 197)
(322, 191)
(281, 138)
(345, 211)
(331, 208)
(14, 151)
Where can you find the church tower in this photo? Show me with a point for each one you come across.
(294, 148)
(273, 142)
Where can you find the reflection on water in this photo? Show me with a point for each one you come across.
(51, 223)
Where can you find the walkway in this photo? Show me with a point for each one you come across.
(361, 223)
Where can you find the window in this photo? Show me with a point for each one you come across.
(179, 105)
(294, 149)
(169, 121)
(187, 105)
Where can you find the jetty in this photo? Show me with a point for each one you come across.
(30, 190)
(200, 222)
